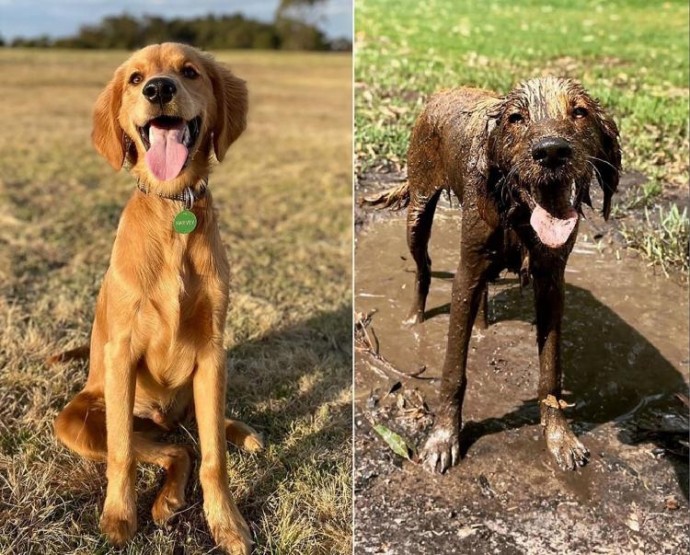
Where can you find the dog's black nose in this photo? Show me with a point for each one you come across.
(552, 151)
(159, 90)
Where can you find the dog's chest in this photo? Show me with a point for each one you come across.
(172, 351)
(178, 320)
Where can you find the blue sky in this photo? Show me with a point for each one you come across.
(31, 18)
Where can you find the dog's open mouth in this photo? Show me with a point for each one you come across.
(168, 141)
(554, 227)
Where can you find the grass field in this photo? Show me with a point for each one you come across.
(284, 199)
(631, 54)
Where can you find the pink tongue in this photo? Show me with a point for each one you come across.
(167, 154)
(552, 231)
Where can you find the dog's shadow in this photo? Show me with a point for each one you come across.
(294, 385)
(613, 372)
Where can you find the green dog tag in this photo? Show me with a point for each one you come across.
(185, 222)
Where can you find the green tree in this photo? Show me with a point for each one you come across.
(296, 23)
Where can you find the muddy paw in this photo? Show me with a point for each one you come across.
(118, 527)
(441, 449)
(568, 451)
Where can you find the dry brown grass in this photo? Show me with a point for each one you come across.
(284, 197)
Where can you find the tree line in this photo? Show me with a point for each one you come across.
(212, 32)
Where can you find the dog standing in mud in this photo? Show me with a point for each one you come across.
(157, 353)
(521, 166)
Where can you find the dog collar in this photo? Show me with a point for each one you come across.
(188, 195)
(185, 221)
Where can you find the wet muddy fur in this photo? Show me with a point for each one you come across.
(521, 166)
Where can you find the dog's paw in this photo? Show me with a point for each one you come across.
(118, 526)
(165, 506)
(231, 534)
(244, 436)
(253, 443)
(171, 498)
(441, 449)
(566, 449)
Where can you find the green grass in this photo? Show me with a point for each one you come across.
(284, 198)
(632, 55)
(664, 242)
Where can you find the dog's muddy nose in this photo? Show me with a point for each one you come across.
(552, 150)
(159, 90)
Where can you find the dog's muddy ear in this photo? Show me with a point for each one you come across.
(493, 115)
(231, 97)
(483, 137)
(608, 159)
(107, 135)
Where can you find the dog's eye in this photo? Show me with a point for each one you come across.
(515, 118)
(579, 112)
(189, 72)
(136, 78)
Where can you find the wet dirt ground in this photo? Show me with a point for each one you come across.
(625, 352)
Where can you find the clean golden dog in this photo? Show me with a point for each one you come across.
(156, 353)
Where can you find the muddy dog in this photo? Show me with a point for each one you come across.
(521, 166)
(157, 353)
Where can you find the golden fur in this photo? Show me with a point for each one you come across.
(157, 342)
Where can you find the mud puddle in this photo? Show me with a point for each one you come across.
(625, 352)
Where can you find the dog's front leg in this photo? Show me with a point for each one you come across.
(227, 526)
(549, 299)
(118, 521)
(442, 448)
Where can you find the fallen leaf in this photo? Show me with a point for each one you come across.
(633, 522)
(397, 443)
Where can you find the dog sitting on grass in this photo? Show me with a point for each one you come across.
(157, 353)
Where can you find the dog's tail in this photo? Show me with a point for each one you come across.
(396, 198)
(80, 353)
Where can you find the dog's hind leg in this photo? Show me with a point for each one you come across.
(242, 435)
(81, 427)
(420, 216)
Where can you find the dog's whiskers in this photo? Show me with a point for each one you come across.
(506, 191)
(609, 164)
(596, 170)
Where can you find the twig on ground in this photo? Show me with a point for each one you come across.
(364, 342)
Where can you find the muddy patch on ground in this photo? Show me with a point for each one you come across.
(625, 358)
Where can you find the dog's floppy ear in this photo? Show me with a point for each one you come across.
(482, 127)
(493, 115)
(231, 99)
(483, 137)
(107, 135)
(608, 158)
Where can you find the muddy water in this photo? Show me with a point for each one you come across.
(625, 353)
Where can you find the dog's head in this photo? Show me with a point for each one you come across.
(548, 138)
(164, 110)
